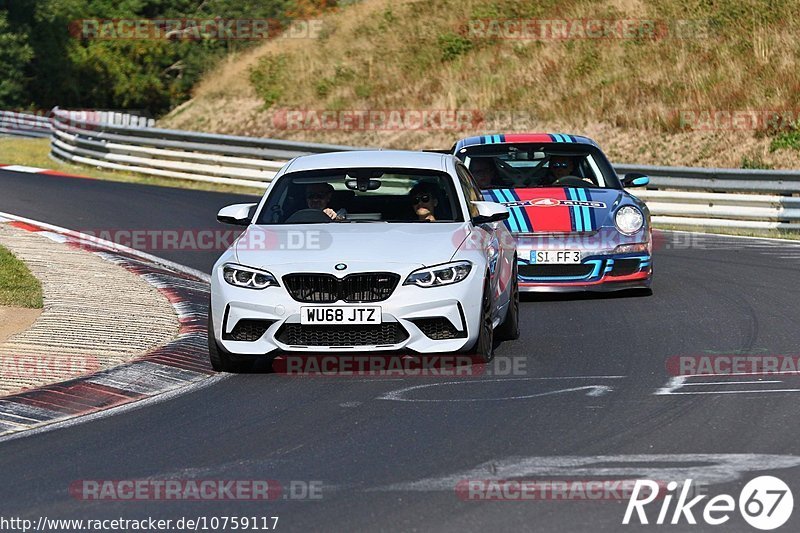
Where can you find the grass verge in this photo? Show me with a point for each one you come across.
(36, 153)
(18, 287)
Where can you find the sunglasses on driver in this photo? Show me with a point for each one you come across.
(421, 199)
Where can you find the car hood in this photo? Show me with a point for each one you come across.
(556, 209)
(420, 244)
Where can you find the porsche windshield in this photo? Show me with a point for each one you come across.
(538, 166)
(362, 195)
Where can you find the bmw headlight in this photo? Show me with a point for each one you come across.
(629, 219)
(249, 278)
(439, 275)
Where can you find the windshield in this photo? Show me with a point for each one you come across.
(522, 166)
(361, 195)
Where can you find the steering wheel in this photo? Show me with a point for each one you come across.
(308, 216)
(574, 181)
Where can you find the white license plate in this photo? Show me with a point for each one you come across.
(559, 257)
(331, 314)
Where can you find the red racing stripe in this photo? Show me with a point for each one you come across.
(556, 219)
(528, 138)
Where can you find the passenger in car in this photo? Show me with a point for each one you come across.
(424, 200)
(484, 171)
(318, 196)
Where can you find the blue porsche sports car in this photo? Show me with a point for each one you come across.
(576, 225)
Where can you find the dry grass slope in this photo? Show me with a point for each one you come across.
(627, 93)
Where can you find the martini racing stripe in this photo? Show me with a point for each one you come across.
(576, 211)
(497, 196)
(585, 211)
(516, 212)
(522, 211)
(587, 194)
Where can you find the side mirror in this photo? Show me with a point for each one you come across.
(489, 212)
(635, 179)
(236, 214)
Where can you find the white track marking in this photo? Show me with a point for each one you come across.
(673, 386)
(674, 383)
(593, 390)
(697, 384)
(718, 468)
(23, 168)
(754, 391)
(56, 237)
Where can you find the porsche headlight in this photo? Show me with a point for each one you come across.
(248, 278)
(439, 275)
(629, 219)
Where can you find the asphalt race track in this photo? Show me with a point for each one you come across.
(591, 393)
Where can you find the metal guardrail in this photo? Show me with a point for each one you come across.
(24, 124)
(721, 197)
(678, 196)
(245, 161)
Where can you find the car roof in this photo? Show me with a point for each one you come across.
(514, 138)
(370, 159)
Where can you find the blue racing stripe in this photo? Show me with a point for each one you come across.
(587, 217)
(592, 212)
(520, 222)
(527, 223)
(578, 214)
(512, 221)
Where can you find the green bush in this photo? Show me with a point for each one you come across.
(786, 140)
(453, 45)
(267, 78)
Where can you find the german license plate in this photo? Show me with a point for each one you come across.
(330, 314)
(558, 257)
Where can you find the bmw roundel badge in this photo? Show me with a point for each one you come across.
(340, 266)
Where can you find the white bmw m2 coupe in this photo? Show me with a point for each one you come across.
(365, 251)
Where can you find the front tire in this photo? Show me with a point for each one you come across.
(484, 346)
(509, 329)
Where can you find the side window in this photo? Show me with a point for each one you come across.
(471, 191)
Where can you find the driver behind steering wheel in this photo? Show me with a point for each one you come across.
(318, 196)
(560, 166)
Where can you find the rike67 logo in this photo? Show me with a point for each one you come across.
(765, 503)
